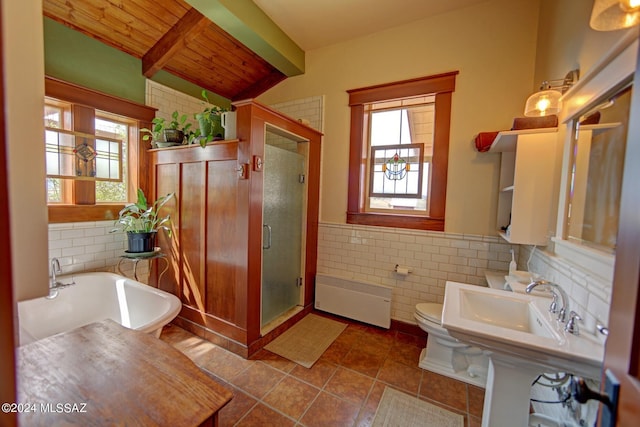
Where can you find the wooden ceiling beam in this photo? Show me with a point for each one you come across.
(189, 26)
(267, 82)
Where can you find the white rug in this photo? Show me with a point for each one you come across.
(305, 341)
(397, 409)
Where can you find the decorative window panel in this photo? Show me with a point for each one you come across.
(396, 170)
(82, 156)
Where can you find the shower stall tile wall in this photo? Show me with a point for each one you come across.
(89, 246)
(371, 254)
(308, 110)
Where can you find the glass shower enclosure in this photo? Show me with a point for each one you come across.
(284, 201)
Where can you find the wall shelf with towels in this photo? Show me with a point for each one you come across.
(528, 170)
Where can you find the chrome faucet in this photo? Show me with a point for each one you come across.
(553, 308)
(53, 285)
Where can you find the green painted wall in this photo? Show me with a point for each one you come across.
(71, 56)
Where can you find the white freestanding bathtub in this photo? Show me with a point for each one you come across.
(95, 297)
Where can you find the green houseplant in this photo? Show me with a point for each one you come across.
(176, 129)
(209, 121)
(156, 133)
(172, 131)
(142, 221)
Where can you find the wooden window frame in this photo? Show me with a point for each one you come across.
(84, 103)
(440, 85)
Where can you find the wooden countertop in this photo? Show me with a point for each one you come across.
(106, 374)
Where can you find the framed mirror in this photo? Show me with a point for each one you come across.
(595, 118)
(595, 175)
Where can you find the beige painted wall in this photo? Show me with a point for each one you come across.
(492, 44)
(24, 91)
(565, 40)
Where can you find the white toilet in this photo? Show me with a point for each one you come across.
(446, 355)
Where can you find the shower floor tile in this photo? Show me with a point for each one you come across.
(343, 388)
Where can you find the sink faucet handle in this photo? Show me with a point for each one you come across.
(553, 307)
(572, 326)
(602, 328)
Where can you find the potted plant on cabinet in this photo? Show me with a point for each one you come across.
(142, 221)
(209, 121)
(165, 133)
(156, 133)
(177, 128)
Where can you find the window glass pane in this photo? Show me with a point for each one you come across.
(107, 191)
(54, 118)
(54, 190)
(402, 184)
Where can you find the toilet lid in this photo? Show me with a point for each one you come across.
(431, 311)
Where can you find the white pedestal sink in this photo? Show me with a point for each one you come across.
(524, 341)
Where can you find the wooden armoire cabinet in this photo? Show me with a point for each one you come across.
(215, 251)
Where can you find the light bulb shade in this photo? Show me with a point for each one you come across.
(609, 15)
(543, 103)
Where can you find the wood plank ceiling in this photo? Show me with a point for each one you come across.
(170, 35)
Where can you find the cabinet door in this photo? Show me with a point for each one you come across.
(169, 182)
(208, 250)
(226, 241)
(191, 238)
(533, 189)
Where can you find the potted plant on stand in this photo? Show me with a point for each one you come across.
(142, 221)
(209, 121)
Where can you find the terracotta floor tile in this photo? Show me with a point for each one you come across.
(274, 360)
(291, 396)
(375, 331)
(336, 352)
(406, 354)
(191, 345)
(258, 379)
(349, 336)
(368, 410)
(343, 388)
(408, 339)
(445, 390)
(359, 326)
(350, 385)
(363, 361)
(476, 400)
(404, 377)
(329, 411)
(222, 363)
(474, 421)
(376, 343)
(262, 416)
(318, 374)
(236, 409)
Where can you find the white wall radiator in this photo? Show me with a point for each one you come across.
(354, 299)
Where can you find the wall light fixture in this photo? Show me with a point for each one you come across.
(609, 15)
(547, 101)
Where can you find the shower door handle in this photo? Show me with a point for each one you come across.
(268, 245)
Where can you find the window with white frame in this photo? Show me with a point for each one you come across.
(400, 152)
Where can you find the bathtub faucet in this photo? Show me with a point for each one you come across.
(54, 285)
(55, 268)
(553, 308)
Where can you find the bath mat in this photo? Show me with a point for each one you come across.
(305, 341)
(397, 409)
